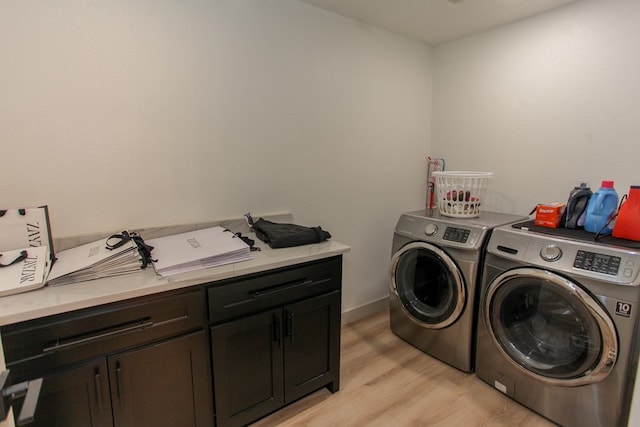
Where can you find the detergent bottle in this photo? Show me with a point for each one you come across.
(602, 205)
(628, 221)
(574, 213)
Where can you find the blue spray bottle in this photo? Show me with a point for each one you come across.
(602, 205)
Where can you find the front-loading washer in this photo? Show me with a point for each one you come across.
(435, 265)
(557, 323)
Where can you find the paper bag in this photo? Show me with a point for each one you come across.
(23, 270)
(24, 228)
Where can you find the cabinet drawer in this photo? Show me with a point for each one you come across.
(253, 293)
(50, 342)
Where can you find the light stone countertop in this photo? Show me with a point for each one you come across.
(49, 300)
(60, 299)
(52, 300)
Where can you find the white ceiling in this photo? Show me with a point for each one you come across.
(437, 21)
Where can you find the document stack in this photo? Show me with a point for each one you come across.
(195, 250)
(96, 260)
(26, 249)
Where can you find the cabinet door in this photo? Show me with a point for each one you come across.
(165, 384)
(247, 368)
(312, 346)
(78, 397)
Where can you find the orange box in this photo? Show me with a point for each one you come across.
(549, 214)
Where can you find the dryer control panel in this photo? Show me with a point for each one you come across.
(441, 232)
(455, 234)
(460, 233)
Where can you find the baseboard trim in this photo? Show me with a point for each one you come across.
(365, 310)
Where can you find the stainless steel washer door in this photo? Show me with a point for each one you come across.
(428, 284)
(550, 328)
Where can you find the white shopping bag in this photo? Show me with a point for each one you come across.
(24, 228)
(23, 270)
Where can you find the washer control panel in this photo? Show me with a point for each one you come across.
(600, 263)
(613, 264)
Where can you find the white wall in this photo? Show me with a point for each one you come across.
(126, 114)
(545, 103)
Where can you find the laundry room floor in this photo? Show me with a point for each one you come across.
(387, 382)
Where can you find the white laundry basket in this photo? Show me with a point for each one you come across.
(460, 194)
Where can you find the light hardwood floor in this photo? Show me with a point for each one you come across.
(387, 382)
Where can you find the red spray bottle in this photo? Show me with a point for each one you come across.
(627, 224)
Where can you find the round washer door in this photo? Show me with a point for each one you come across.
(550, 328)
(428, 285)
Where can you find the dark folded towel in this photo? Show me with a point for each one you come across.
(288, 235)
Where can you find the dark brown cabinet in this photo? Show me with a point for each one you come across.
(269, 339)
(165, 384)
(311, 346)
(149, 364)
(76, 397)
(160, 384)
(269, 359)
(247, 369)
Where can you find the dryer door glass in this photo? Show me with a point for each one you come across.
(550, 327)
(428, 284)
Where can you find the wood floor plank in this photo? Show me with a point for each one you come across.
(387, 382)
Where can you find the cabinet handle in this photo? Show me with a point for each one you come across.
(285, 287)
(133, 326)
(98, 385)
(119, 384)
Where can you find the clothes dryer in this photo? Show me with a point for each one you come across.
(435, 267)
(557, 324)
